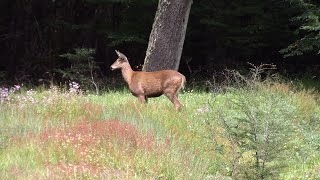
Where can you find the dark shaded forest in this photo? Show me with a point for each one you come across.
(61, 40)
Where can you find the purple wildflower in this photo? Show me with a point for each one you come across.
(4, 94)
(15, 88)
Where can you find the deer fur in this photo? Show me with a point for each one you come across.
(145, 85)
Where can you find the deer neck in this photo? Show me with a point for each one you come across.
(127, 73)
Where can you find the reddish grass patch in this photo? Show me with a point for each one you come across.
(89, 133)
(83, 170)
(87, 141)
(63, 170)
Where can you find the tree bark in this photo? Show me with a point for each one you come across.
(167, 35)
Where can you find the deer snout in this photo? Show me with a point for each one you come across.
(112, 68)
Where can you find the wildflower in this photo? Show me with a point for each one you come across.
(74, 87)
(30, 94)
(18, 87)
(203, 110)
(4, 94)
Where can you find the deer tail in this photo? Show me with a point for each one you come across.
(183, 83)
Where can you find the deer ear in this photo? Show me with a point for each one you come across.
(118, 53)
(122, 56)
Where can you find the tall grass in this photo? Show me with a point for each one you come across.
(269, 130)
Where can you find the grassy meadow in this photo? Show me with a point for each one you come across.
(266, 131)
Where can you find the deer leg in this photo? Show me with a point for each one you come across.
(174, 100)
(142, 99)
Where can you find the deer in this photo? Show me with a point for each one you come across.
(144, 85)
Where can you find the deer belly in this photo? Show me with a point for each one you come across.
(154, 94)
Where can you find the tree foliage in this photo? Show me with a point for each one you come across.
(247, 29)
(82, 68)
(308, 31)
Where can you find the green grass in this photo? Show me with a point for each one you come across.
(62, 135)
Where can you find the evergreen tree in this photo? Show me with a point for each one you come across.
(308, 31)
(244, 30)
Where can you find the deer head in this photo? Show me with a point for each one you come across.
(120, 62)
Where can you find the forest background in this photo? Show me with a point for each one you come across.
(43, 40)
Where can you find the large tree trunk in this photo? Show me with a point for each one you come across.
(167, 35)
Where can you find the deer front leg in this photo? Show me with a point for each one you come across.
(142, 98)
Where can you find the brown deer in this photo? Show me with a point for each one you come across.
(145, 85)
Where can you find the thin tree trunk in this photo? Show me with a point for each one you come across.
(167, 35)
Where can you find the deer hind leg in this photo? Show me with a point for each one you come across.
(172, 91)
(176, 102)
(174, 99)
